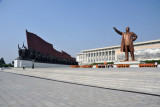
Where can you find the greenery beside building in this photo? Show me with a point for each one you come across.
(102, 63)
(3, 64)
(151, 61)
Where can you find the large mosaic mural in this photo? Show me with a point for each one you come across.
(142, 54)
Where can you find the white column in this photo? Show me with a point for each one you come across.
(94, 56)
(98, 56)
(87, 57)
(101, 55)
(111, 55)
(105, 55)
(83, 58)
(108, 55)
(90, 57)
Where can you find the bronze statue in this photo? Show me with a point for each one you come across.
(127, 42)
(19, 52)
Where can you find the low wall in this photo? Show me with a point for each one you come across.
(28, 64)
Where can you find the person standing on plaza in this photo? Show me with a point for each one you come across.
(156, 64)
(33, 66)
(23, 66)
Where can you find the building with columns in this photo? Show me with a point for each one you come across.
(148, 50)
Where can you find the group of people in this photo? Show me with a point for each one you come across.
(109, 65)
(105, 65)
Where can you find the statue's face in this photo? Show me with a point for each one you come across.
(127, 29)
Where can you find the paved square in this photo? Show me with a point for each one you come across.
(24, 91)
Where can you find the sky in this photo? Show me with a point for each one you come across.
(75, 25)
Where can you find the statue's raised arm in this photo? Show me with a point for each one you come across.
(119, 32)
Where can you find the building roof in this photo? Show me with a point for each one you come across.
(118, 46)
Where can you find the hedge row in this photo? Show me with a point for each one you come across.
(147, 65)
(123, 65)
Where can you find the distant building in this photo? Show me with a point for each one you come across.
(148, 50)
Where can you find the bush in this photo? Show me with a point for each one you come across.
(151, 61)
(86, 66)
(123, 65)
(6, 65)
(74, 66)
(102, 63)
(147, 65)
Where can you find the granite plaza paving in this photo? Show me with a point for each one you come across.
(66, 87)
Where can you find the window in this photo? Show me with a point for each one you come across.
(106, 53)
(113, 52)
(103, 53)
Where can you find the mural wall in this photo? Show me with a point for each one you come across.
(148, 53)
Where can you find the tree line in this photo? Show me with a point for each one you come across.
(3, 64)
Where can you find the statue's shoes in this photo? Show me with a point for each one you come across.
(126, 60)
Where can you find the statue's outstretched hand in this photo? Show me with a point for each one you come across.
(114, 28)
(119, 32)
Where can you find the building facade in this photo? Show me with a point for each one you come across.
(148, 50)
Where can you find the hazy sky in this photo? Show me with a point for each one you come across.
(75, 25)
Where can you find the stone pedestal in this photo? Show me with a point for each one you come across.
(131, 63)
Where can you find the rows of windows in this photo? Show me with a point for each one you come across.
(102, 59)
(98, 56)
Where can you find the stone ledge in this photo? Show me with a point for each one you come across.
(129, 62)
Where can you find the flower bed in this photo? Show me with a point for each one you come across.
(123, 65)
(86, 66)
(147, 65)
(74, 66)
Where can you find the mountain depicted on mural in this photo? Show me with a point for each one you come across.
(148, 53)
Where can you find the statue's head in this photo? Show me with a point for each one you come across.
(127, 29)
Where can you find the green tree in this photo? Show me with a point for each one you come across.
(12, 63)
(2, 61)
